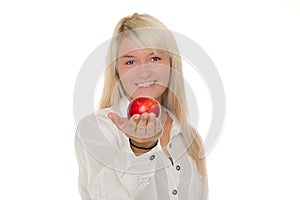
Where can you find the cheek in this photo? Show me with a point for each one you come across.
(123, 72)
(164, 74)
(126, 78)
(126, 74)
(165, 71)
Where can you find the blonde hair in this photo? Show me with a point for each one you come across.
(147, 31)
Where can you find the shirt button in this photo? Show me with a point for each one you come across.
(178, 167)
(174, 192)
(152, 157)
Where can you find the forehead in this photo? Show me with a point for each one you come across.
(127, 45)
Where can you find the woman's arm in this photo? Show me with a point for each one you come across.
(105, 171)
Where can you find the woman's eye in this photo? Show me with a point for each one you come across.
(130, 62)
(155, 59)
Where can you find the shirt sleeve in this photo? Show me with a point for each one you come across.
(107, 172)
(87, 170)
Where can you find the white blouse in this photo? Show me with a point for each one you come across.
(109, 170)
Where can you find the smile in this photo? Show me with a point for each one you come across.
(145, 84)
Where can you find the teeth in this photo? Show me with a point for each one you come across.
(147, 84)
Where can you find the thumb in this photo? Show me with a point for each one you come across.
(113, 117)
(117, 120)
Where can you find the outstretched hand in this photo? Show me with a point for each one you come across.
(140, 128)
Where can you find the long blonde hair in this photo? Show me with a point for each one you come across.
(147, 31)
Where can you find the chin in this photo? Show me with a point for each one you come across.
(145, 94)
(155, 93)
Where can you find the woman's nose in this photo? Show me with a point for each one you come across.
(144, 72)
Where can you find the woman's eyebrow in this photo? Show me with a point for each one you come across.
(156, 52)
(127, 56)
(132, 56)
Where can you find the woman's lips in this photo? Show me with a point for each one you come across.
(145, 84)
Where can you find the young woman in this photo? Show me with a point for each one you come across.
(143, 157)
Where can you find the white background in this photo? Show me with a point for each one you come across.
(254, 44)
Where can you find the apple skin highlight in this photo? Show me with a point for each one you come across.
(143, 104)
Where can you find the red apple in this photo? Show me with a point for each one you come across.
(143, 104)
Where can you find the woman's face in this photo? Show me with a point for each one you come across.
(142, 72)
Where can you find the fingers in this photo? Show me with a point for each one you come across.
(144, 119)
(131, 126)
(144, 126)
(141, 125)
(150, 130)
